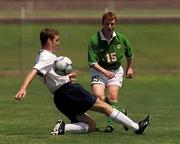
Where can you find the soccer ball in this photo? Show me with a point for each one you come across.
(63, 65)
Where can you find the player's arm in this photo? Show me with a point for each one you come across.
(22, 91)
(129, 55)
(73, 75)
(107, 73)
(129, 69)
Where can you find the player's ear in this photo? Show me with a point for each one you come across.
(49, 40)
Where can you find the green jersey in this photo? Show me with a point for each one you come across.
(108, 54)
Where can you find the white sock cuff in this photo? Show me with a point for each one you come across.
(79, 127)
(85, 126)
(114, 114)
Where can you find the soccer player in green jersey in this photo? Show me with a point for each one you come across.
(105, 53)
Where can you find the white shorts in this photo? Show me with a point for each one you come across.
(98, 77)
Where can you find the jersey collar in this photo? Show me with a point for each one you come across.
(103, 37)
(41, 50)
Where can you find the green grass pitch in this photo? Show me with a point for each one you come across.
(31, 121)
(154, 89)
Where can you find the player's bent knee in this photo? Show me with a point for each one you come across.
(100, 97)
(102, 107)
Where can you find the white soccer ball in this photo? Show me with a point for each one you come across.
(63, 65)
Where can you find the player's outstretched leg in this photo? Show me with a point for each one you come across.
(121, 118)
(110, 122)
(138, 128)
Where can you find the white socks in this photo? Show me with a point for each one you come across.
(79, 127)
(116, 115)
(121, 118)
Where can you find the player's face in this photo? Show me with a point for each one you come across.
(55, 42)
(109, 25)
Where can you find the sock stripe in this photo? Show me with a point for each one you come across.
(116, 114)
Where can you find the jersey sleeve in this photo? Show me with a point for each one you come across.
(128, 48)
(92, 53)
(44, 64)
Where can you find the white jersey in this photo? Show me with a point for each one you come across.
(44, 65)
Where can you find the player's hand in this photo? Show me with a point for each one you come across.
(129, 73)
(73, 75)
(109, 74)
(20, 94)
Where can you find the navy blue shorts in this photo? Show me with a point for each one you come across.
(72, 99)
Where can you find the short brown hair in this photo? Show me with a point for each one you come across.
(47, 33)
(109, 15)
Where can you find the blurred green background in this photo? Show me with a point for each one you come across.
(156, 46)
(151, 26)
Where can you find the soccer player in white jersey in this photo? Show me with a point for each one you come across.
(71, 98)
